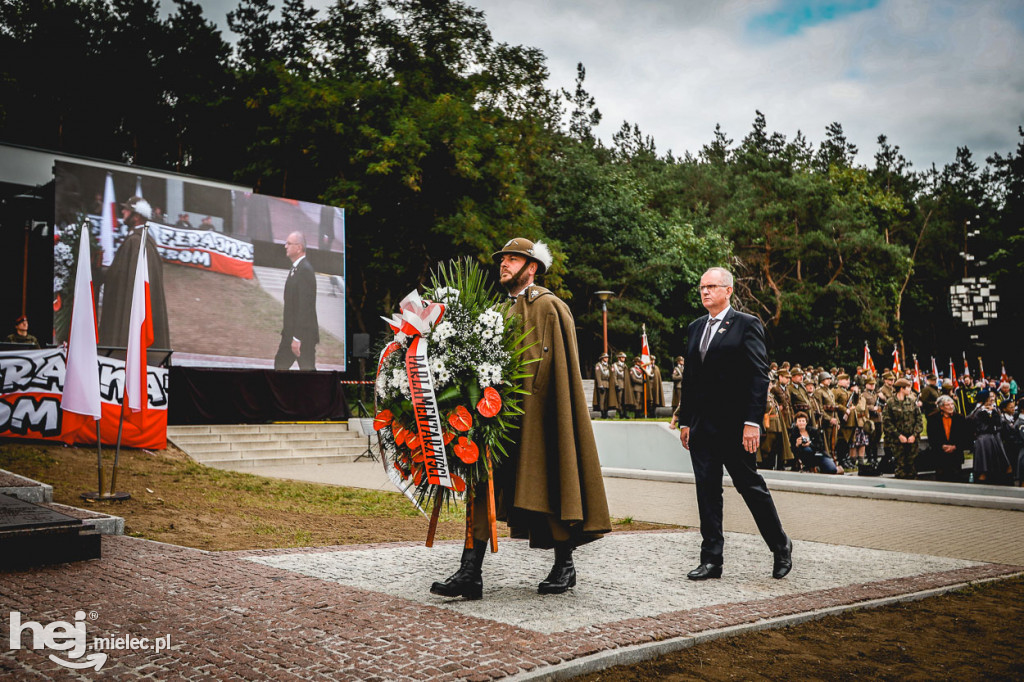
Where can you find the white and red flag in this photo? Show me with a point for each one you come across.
(896, 360)
(645, 350)
(868, 364)
(952, 374)
(935, 368)
(81, 398)
(967, 370)
(140, 337)
(917, 376)
(108, 221)
(981, 368)
(1003, 377)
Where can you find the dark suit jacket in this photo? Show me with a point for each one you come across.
(300, 320)
(730, 385)
(961, 434)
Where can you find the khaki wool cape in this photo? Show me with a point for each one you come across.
(553, 475)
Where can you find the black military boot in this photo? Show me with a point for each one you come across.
(467, 582)
(563, 573)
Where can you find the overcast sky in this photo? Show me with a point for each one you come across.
(930, 74)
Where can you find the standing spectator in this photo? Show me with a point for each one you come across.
(860, 420)
(968, 394)
(1018, 426)
(991, 463)
(949, 435)
(183, 222)
(1013, 438)
(602, 381)
(1013, 386)
(21, 334)
(901, 421)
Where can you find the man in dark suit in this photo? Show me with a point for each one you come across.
(724, 393)
(301, 330)
(949, 435)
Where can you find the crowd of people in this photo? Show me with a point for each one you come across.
(827, 421)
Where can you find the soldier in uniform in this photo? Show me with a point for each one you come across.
(602, 382)
(775, 451)
(655, 388)
(844, 397)
(799, 401)
(21, 334)
(617, 385)
(929, 394)
(829, 423)
(874, 404)
(636, 377)
(677, 382)
(901, 421)
(885, 391)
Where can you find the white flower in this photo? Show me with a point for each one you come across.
(443, 332)
(488, 374)
(447, 295)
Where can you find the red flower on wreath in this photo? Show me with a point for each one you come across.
(490, 404)
(412, 441)
(400, 434)
(449, 436)
(383, 418)
(458, 484)
(460, 419)
(467, 450)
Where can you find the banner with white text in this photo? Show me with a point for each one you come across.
(32, 385)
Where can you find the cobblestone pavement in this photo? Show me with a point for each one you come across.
(362, 612)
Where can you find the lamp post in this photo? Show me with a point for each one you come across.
(604, 296)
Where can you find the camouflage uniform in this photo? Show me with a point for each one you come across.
(902, 418)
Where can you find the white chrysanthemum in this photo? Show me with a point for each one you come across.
(488, 374)
(447, 295)
(443, 332)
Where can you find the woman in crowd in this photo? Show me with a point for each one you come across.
(861, 420)
(991, 463)
(809, 447)
(1013, 438)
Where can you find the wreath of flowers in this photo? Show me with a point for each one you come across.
(476, 367)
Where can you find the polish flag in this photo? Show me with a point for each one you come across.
(645, 350)
(952, 374)
(967, 370)
(140, 337)
(81, 398)
(1003, 377)
(108, 221)
(981, 368)
(935, 368)
(896, 361)
(868, 364)
(917, 376)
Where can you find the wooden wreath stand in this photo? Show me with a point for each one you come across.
(492, 519)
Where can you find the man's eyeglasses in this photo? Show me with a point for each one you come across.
(709, 287)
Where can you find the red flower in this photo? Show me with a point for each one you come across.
(418, 478)
(383, 418)
(412, 441)
(490, 404)
(460, 419)
(467, 450)
(458, 485)
(449, 436)
(400, 434)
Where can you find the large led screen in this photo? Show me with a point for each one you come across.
(231, 278)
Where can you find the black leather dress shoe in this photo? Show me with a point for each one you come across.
(705, 571)
(783, 561)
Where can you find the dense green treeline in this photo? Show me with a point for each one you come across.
(441, 142)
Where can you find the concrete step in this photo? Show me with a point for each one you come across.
(243, 464)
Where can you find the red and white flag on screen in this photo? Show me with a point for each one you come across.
(869, 364)
(81, 398)
(917, 376)
(645, 350)
(108, 221)
(140, 337)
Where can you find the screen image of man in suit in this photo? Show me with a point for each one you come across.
(721, 407)
(301, 330)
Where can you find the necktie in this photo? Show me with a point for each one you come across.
(706, 341)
